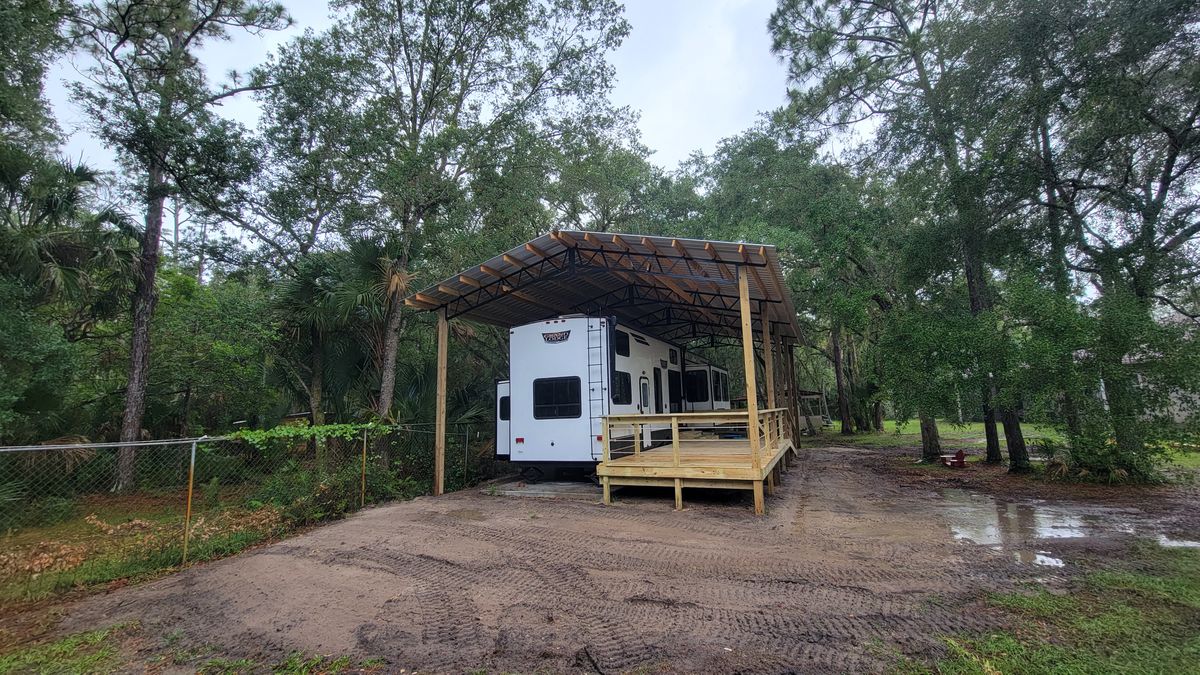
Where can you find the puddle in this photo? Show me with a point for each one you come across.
(1014, 526)
(1167, 542)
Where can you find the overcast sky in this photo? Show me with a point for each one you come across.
(696, 70)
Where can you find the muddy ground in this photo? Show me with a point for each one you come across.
(860, 558)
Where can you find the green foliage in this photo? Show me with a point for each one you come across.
(308, 496)
(35, 365)
(1139, 619)
(90, 652)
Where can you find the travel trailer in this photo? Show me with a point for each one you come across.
(567, 373)
(705, 387)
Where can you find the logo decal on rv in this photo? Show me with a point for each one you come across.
(560, 336)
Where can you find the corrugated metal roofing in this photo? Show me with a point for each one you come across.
(676, 289)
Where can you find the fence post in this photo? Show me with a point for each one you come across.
(187, 514)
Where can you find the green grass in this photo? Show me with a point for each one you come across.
(95, 651)
(100, 651)
(130, 565)
(952, 435)
(1141, 618)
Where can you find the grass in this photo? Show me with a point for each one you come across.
(952, 435)
(137, 560)
(95, 651)
(1140, 618)
(102, 651)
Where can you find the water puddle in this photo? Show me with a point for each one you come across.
(1014, 527)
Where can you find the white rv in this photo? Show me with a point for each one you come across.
(567, 373)
(705, 387)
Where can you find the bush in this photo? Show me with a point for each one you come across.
(308, 496)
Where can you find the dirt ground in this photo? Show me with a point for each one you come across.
(859, 559)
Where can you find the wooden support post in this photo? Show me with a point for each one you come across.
(604, 443)
(771, 482)
(607, 491)
(439, 438)
(675, 444)
(768, 348)
(751, 383)
(678, 494)
(637, 438)
(759, 508)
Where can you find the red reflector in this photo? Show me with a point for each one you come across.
(600, 438)
(520, 440)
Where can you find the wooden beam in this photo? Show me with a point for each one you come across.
(751, 384)
(753, 270)
(416, 301)
(712, 252)
(439, 437)
(536, 251)
(768, 349)
(464, 279)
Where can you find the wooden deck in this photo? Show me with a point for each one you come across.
(701, 459)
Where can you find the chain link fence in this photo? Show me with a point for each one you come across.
(65, 525)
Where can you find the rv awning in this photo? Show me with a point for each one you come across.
(676, 289)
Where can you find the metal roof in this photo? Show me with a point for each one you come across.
(676, 289)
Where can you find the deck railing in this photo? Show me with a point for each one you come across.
(625, 434)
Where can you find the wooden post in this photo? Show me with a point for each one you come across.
(759, 507)
(607, 491)
(637, 438)
(604, 443)
(768, 348)
(675, 440)
(439, 438)
(751, 382)
(678, 494)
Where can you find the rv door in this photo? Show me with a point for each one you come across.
(503, 420)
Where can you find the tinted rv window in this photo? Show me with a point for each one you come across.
(556, 398)
(695, 386)
(724, 378)
(674, 357)
(716, 385)
(675, 390)
(504, 408)
(622, 388)
(622, 345)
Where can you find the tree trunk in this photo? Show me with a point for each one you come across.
(843, 401)
(989, 428)
(877, 414)
(316, 393)
(144, 300)
(391, 345)
(1059, 274)
(931, 445)
(1018, 454)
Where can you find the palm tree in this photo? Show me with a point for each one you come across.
(307, 305)
(56, 246)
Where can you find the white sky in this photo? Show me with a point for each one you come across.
(697, 71)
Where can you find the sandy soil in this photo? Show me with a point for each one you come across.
(856, 561)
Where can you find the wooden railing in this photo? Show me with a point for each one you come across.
(624, 434)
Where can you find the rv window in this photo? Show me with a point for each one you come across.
(674, 357)
(716, 385)
(695, 386)
(724, 386)
(505, 409)
(556, 398)
(622, 388)
(675, 390)
(622, 343)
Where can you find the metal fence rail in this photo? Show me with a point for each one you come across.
(63, 526)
